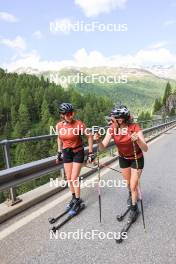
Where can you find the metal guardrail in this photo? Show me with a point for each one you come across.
(12, 177)
(9, 142)
(17, 175)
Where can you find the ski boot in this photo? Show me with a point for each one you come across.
(77, 206)
(134, 213)
(129, 200)
(71, 203)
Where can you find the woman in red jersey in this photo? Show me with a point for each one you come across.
(71, 151)
(124, 133)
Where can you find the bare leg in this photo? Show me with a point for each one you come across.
(127, 175)
(75, 178)
(135, 175)
(68, 171)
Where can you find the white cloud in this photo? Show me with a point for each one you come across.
(158, 45)
(161, 56)
(37, 34)
(33, 60)
(8, 17)
(94, 58)
(142, 59)
(61, 25)
(169, 23)
(93, 8)
(16, 43)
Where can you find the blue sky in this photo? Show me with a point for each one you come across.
(26, 40)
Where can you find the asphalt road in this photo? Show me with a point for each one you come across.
(28, 241)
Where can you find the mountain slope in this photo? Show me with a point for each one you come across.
(139, 92)
(135, 87)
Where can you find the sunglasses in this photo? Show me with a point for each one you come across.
(117, 117)
(67, 114)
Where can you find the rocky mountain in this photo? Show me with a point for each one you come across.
(168, 72)
(171, 102)
(165, 72)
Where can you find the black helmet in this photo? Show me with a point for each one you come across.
(65, 108)
(121, 112)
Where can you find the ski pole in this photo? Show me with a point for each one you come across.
(103, 165)
(96, 129)
(139, 190)
(99, 193)
(106, 166)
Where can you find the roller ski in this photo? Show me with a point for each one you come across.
(134, 213)
(52, 220)
(122, 216)
(129, 204)
(75, 210)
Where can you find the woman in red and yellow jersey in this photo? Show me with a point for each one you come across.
(125, 134)
(71, 151)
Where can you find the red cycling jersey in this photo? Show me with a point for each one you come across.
(124, 143)
(70, 133)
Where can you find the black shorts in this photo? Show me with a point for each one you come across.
(126, 163)
(70, 156)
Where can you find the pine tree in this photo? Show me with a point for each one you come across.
(147, 116)
(2, 73)
(24, 123)
(168, 91)
(157, 105)
(14, 116)
(141, 116)
(45, 115)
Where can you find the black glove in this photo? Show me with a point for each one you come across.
(59, 156)
(90, 157)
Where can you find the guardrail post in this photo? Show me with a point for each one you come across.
(62, 173)
(111, 152)
(13, 198)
